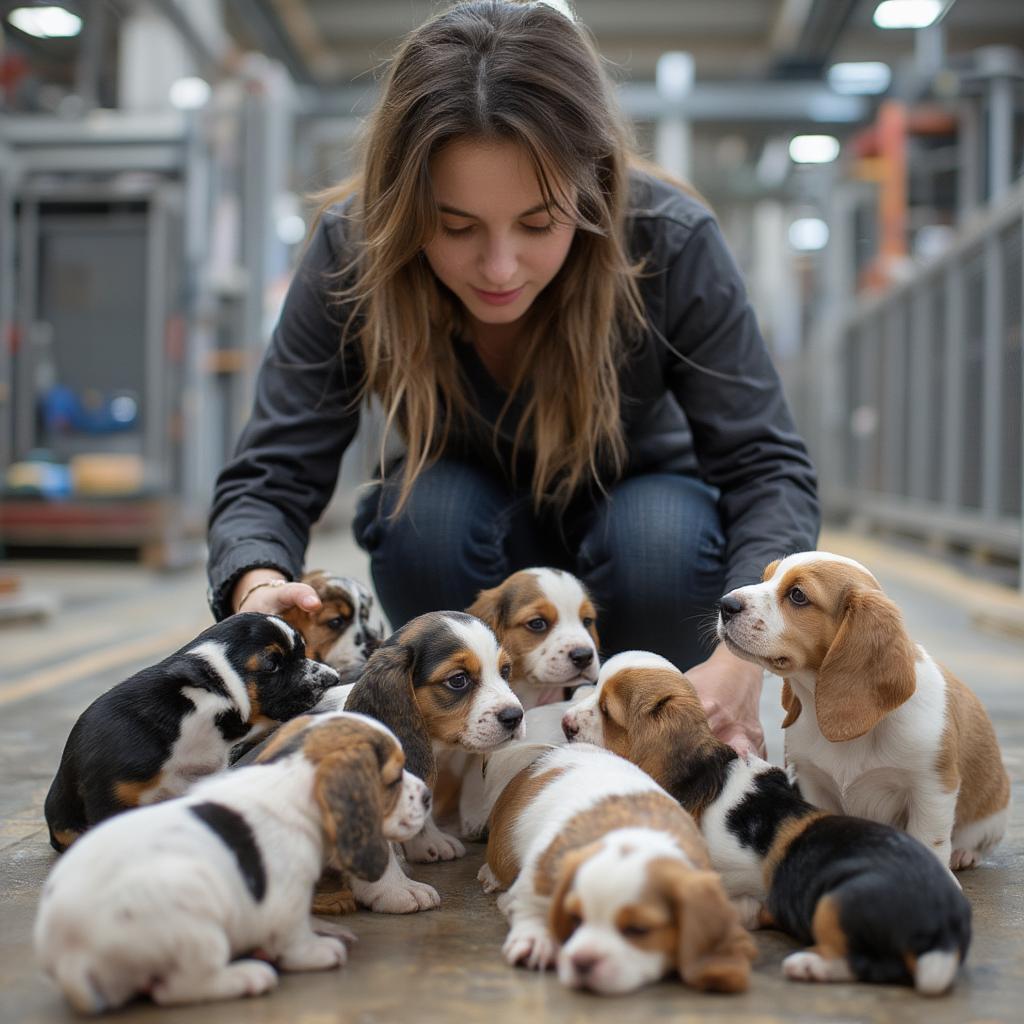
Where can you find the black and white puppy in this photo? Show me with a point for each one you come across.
(163, 901)
(153, 735)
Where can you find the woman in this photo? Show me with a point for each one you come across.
(563, 343)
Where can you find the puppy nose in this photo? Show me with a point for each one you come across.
(729, 606)
(581, 657)
(584, 963)
(569, 727)
(510, 717)
(426, 799)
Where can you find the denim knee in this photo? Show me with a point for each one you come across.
(654, 558)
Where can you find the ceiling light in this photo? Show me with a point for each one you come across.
(813, 149)
(907, 13)
(859, 78)
(189, 93)
(674, 74)
(45, 22)
(808, 234)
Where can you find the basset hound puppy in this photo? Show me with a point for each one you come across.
(177, 901)
(441, 684)
(153, 735)
(874, 726)
(608, 877)
(546, 621)
(874, 903)
(346, 630)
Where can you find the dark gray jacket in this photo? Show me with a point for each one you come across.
(702, 354)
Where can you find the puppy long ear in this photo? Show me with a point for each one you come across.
(791, 704)
(867, 672)
(714, 950)
(561, 921)
(348, 790)
(385, 692)
(491, 607)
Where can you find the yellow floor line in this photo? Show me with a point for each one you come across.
(98, 661)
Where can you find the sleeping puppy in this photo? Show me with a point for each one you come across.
(874, 726)
(874, 902)
(346, 630)
(599, 861)
(546, 620)
(440, 683)
(155, 734)
(164, 900)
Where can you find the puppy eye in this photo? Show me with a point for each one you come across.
(798, 597)
(338, 622)
(537, 625)
(636, 931)
(458, 682)
(588, 622)
(506, 672)
(273, 663)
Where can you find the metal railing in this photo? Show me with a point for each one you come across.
(921, 429)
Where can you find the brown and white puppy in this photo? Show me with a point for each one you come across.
(163, 900)
(874, 726)
(441, 684)
(608, 876)
(546, 621)
(153, 735)
(346, 630)
(874, 902)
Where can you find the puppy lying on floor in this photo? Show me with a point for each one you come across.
(599, 861)
(152, 736)
(874, 726)
(162, 900)
(875, 903)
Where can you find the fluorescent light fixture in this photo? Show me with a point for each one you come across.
(907, 13)
(189, 93)
(46, 22)
(813, 149)
(860, 78)
(674, 74)
(808, 234)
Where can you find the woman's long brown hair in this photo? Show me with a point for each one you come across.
(496, 71)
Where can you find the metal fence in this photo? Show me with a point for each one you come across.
(921, 428)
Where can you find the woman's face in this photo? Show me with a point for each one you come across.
(497, 247)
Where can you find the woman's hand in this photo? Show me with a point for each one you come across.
(267, 591)
(730, 690)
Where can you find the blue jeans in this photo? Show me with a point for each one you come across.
(651, 552)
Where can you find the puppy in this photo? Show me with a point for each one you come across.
(874, 902)
(346, 630)
(603, 863)
(546, 621)
(161, 901)
(874, 726)
(152, 736)
(441, 683)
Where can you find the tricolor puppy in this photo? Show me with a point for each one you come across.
(874, 902)
(346, 630)
(163, 900)
(874, 726)
(546, 621)
(155, 734)
(609, 876)
(441, 683)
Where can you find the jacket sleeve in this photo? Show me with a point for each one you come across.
(743, 432)
(304, 416)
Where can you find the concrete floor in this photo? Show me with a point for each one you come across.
(446, 965)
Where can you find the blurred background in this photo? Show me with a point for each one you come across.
(157, 158)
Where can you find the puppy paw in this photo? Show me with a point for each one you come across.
(335, 929)
(809, 966)
(407, 898)
(961, 859)
(314, 953)
(487, 878)
(333, 903)
(530, 946)
(234, 981)
(423, 849)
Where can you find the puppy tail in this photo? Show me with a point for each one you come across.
(79, 982)
(934, 972)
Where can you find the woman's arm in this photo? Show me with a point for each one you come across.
(286, 463)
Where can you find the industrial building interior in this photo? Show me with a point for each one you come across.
(159, 167)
